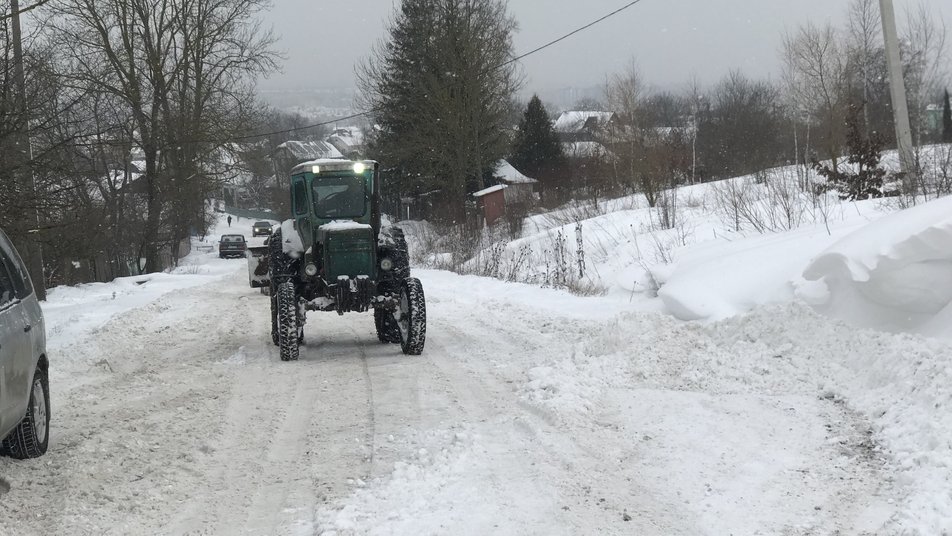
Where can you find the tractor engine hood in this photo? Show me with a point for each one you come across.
(350, 249)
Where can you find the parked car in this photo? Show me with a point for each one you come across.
(261, 228)
(232, 245)
(24, 369)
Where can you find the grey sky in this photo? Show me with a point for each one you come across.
(671, 40)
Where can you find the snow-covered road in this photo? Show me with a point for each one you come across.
(531, 411)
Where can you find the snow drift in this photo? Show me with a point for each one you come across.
(893, 274)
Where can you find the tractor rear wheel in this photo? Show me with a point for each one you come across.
(288, 330)
(411, 317)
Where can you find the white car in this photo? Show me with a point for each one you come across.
(24, 378)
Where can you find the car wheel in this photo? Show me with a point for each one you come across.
(32, 436)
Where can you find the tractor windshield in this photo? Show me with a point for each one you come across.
(340, 197)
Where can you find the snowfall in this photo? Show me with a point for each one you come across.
(722, 381)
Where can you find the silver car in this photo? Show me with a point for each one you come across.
(24, 379)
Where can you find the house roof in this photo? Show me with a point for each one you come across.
(491, 189)
(574, 121)
(310, 150)
(511, 175)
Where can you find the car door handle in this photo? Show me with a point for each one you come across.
(27, 328)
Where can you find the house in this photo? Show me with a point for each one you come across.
(291, 153)
(491, 203)
(521, 189)
(576, 126)
(349, 141)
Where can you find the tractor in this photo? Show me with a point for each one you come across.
(334, 255)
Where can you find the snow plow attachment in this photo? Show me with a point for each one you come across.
(258, 264)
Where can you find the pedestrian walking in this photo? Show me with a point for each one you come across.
(229, 221)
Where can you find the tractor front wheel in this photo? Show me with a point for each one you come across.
(411, 317)
(288, 329)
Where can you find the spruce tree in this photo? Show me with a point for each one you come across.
(946, 120)
(440, 89)
(536, 150)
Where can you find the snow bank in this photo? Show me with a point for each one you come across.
(893, 274)
(724, 277)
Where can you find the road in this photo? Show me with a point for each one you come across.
(530, 412)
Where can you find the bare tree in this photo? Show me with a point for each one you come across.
(924, 58)
(183, 70)
(816, 72)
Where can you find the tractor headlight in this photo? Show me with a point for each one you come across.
(359, 168)
(386, 264)
(310, 269)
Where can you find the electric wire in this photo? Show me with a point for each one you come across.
(500, 66)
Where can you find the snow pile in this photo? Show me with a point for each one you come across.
(722, 278)
(893, 274)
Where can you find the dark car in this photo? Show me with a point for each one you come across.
(232, 245)
(24, 380)
(261, 228)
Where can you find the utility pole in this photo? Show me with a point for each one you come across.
(897, 91)
(31, 243)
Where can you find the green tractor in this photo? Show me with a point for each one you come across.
(335, 256)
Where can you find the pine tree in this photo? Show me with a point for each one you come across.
(863, 178)
(440, 89)
(946, 120)
(536, 151)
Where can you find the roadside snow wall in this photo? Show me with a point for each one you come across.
(893, 274)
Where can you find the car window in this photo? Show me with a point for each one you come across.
(7, 288)
(16, 270)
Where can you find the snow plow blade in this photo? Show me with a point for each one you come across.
(258, 265)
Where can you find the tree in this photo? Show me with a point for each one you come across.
(946, 119)
(740, 130)
(182, 71)
(863, 178)
(440, 90)
(816, 69)
(536, 150)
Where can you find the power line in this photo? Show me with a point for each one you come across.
(500, 66)
(570, 34)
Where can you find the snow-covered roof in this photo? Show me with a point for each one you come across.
(491, 189)
(574, 121)
(511, 175)
(310, 149)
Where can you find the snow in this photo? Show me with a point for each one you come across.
(511, 175)
(343, 225)
(532, 410)
(895, 273)
(491, 189)
(574, 121)
(291, 244)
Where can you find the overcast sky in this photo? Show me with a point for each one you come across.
(671, 40)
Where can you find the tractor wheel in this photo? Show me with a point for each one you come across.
(411, 317)
(288, 332)
(31, 437)
(387, 329)
(274, 318)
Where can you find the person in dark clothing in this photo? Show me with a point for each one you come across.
(229, 221)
